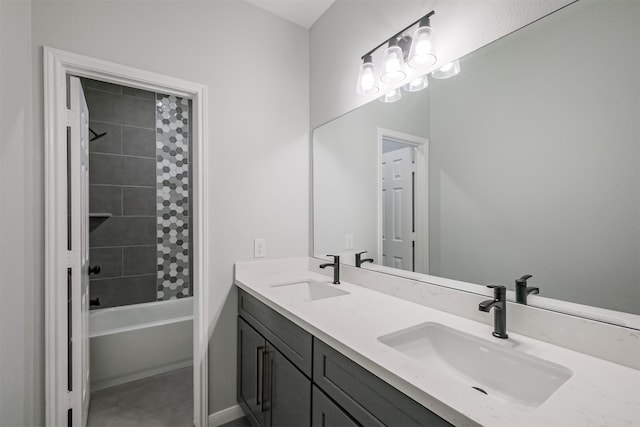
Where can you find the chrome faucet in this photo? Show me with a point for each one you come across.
(523, 291)
(499, 304)
(336, 268)
(360, 261)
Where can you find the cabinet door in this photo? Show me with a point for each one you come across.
(251, 347)
(289, 392)
(325, 413)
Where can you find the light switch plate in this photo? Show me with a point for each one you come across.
(259, 248)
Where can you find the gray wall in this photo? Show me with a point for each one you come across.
(122, 178)
(535, 159)
(258, 129)
(21, 226)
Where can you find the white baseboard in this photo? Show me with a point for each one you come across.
(112, 382)
(226, 415)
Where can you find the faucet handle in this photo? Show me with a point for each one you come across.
(499, 291)
(361, 253)
(523, 279)
(336, 258)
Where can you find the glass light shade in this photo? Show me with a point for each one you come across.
(417, 85)
(393, 65)
(422, 53)
(391, 96)
(366, 79)
(448, 70)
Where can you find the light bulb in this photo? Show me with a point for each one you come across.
(448, 70)
(366, 78)
(421, 54)
(391, 96)
(393, 64)
(417, 84)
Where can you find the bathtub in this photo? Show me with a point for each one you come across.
(137, 341)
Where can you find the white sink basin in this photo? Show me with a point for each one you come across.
(488, 367)
(308, 290)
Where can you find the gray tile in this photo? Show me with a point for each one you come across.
(109, 260)
(105, 169)
(121, 170)
(105, 198)
(119, 109)
(104, 106)
(123, 290)
(139, 142)
(240, 422)
(124, 231)
(138, 171)
(140, 260)
(109, 143)
(98, 85)
(138, 112)
(140, 93)
(139, 201)
(164, 401)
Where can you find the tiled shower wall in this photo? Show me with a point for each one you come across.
(125, 180)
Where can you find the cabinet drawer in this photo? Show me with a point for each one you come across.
(367, 398)
(291, 340)
(325, 413)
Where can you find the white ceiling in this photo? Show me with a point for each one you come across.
(301, 12)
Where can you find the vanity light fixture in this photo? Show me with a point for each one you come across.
(448, 70)
(417, 84)
(393, 63)
(421, 54)
(391, 96)
(366, 77)
(402, 50)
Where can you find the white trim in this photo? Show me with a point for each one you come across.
(57, 64)
(422, 187)
(225, 416)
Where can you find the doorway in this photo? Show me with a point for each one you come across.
(67, 205)
(403, 201)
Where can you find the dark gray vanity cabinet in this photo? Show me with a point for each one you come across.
(366, 398)
(325, 413)
(286, 377)
(251, 346)
(272, 390)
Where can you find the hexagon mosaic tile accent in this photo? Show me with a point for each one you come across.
(172, 191)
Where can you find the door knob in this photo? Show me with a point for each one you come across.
(94, 270)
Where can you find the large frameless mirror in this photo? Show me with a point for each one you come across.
(525, 163)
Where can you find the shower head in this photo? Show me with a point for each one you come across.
(95, 135)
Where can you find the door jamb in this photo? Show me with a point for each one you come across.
(422, 187)
(57, 64)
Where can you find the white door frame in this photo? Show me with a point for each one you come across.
(57, 64)
(422, 188)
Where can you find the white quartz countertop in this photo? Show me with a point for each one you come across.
(599, 393)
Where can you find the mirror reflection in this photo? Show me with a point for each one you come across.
(525, 163)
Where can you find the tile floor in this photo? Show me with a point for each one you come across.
(240, 422)
(161, 401)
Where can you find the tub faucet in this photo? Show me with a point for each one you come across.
(523, 291)
(336, 268)
(499, 304)
(360, 261)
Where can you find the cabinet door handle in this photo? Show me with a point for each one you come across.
(267, 372)
(260, 377)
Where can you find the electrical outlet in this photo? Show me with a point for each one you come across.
(259, 248)
(348, 241)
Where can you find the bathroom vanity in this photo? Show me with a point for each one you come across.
(314, 353)
(286, 376)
